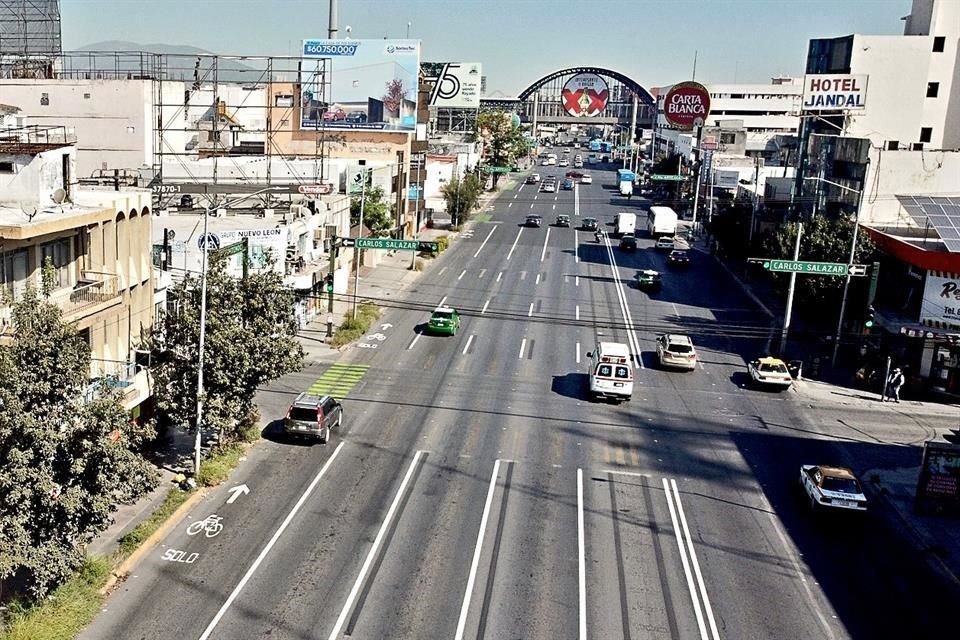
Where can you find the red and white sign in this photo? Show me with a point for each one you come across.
(585, 94)
(314, 189)
(686, 105)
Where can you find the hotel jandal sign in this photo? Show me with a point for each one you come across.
(834, 92)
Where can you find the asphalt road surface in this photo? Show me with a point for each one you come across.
(475, 492)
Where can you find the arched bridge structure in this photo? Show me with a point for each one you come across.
(582, 95)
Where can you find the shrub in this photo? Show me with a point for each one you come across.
(442, 243)
(218, 465)
(352, 328)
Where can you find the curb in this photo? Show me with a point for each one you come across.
(124, 568)
(921, 541)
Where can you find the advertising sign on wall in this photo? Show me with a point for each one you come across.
(941, 300)
(362, 84)
(455, 84)
(834, 92)
(686, 105)
(585, 94)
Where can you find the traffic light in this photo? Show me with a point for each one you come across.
(870, 316)
(329, 282)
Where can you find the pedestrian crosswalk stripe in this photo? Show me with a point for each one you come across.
(339, 379)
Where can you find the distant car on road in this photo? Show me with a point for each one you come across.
(768, 371)
(550, 186)
(586, 179)
(313, 416)
(649, 280)
(678, 258)
(533, 220)
(356, 117)
(664, 244)
(334, 115)
(628, 243)
(563, 220)
(675, 350)
(563, 163)
(533, 178)
(444, 320)
(590, 224)
(834, 488)
(567, 184)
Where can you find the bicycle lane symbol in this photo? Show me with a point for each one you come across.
(211, 526)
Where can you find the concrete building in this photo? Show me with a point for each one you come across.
(913, 91)
(98, 243)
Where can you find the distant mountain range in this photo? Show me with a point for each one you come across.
(179, 65)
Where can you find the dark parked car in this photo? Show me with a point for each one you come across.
(356, 117)
(628, 243)
(563, 220)
(313, 416)
(533, 220)
(678, 258)
(590, 224)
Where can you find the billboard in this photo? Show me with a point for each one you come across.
(686, 105)
(834, 92)
(941, 300)
(585, 94)
(362, 84)
(455, 84)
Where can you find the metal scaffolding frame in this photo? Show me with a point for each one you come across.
(29, 38)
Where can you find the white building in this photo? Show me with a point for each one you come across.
(768, 113)
(913, 90)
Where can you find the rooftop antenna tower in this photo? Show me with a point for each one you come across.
(30, 45)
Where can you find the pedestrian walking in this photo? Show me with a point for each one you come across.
(892, 389)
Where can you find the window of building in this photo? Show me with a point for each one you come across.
(6, 167)
(893, 145)
(44, 99)
(926, 134)
(59, 253)
(736, 96)
(916, 146)
(13, 272)
(933, 88)
(938, 43)
(728, 138)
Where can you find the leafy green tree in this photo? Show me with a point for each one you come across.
(824, 239)
(462, 196)
(503, 141)
(67, 463)
(250, 340)
(667, 165)
(377, 211)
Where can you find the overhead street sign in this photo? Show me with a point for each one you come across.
(858, 270)
(667, 177)
(496, 169)
(809, 268)
(233, 249)
(390, 244)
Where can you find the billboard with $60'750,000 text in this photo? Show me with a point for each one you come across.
(359, 84)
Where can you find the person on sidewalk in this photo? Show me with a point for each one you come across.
(894, 382)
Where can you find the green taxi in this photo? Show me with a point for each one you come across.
(444, 320)
(649, 280)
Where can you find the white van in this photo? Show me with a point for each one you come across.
(611, 372)
(625, 224)
(661, 221)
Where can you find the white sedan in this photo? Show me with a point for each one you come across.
(832, 488)
(771, 372)
(586, 179)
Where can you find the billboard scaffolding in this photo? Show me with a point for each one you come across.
(29, 38)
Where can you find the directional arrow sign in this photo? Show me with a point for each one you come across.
(347, 242)
(858, 270)
(385, 326)
(236, 492)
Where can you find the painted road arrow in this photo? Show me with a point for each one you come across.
(236, 492)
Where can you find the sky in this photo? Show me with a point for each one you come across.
(517, 41)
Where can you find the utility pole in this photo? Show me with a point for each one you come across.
(793, 283)
(203, 324)
(356, 247)
(853, 251)
(756, 196)
(332, 30)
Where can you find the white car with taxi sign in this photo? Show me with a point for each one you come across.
(771, 372)
(829, 487)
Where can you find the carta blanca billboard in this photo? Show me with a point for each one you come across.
(455, 84)
(359, 84)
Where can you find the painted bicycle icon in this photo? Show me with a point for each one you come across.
(211, 526)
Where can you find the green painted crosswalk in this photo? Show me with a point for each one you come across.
(339, 380)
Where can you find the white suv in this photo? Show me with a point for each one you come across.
(677, 351)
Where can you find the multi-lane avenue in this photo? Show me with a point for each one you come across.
(475, 492)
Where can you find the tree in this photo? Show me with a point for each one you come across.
(377, 211)
(824, 239)
(250, 340)
(503, 141)
(67, 463)
(462, 196)
(393, 97)
(668, 165)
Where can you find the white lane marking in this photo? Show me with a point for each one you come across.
(577, 312)
(522, 185)
(273, 540)
(696, 564)
(554, 207)
(624, 306)
(485, 305)
(499, 275)
(536, 196)
(582, 560)
(523, 275)
(676, 311)
(523, 345)
(472, 576)
(484, 243)
(531, 204)
(482, 271)
(440, 273)
(442, 300)
(462, 273)
(414, 341)
(469, 342)
(538, 279)
(509, 204)
(576, 199)
(546, 238)
(515, 241)
(686, 563)
(578, 353)
(576, 246)
(373, 550)
(576, 280)
(530, 312)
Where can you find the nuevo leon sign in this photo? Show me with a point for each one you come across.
(686, 105)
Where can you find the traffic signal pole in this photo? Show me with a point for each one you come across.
(788, 313)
